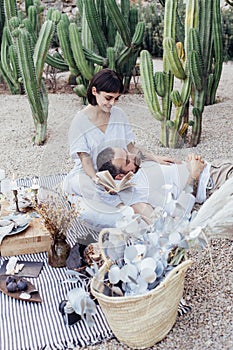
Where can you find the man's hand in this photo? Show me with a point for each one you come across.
(142, 155)
(166, 160)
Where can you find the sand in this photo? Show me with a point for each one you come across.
(209, 324)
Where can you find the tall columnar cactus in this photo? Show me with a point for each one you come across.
(117, 35)
(31, 63)
(2, 19)
(23, 54)
(192, 62)
(9, 65)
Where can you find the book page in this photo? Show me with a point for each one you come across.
(106, 179)
(126, 180)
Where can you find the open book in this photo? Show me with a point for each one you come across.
(106, 179)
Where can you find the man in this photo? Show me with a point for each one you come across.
(155, 183)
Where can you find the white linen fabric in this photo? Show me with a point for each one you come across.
(153, 181)
(84, 136)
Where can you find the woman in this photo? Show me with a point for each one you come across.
(99, 125)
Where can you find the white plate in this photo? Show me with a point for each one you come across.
(18, 229)
(13, 232)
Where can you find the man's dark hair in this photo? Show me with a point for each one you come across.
(104, 162)
(106, 80)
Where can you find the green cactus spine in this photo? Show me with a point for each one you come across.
(79, 56)
(31, 62)
(28, 71)
(111, 58)
(95, 26)
(146, 69)
(138, 34)
(176, 98)
(123, 57)
(2, 19)
(159, 83)
(42, 46)
(173, 60)
(119, 21)
(218, 53)
(133, 20)
(95, 58)
(64, 40)
(111, 34)
(100, 6)
(57, 63)
(10, 9)
(9, 73)
(86, 36)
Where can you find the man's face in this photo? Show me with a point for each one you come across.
(125, 160)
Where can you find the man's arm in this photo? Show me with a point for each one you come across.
(144, 155)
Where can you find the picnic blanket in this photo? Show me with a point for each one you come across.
(36, 326)
(79, 230)
(40, 326)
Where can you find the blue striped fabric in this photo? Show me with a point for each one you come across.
(36, 326)
(32, 326)
(79, 229)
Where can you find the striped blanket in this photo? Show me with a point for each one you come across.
(40, 326)
(36, 326)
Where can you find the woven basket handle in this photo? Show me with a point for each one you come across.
(179, 268)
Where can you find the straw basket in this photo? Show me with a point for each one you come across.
(140, 321)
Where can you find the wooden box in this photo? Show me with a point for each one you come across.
(34, 239)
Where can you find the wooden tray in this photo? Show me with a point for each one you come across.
(30, 269)
(35, 297)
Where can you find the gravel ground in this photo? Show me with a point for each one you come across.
(208, 289)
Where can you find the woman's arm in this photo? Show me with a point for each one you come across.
(144, 155)
(88, 165)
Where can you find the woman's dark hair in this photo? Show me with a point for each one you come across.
(106, 80)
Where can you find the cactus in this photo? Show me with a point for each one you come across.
(31, 62)
(25, 45)
(117, 40)
(119, 21)
(94, 23)
(13, 18)
(192, 62)
(7, 66)
(2, 19)
(10, 73)
(79, 57)
(218, 55)
(64, 40)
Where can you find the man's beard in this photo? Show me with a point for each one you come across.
(137, 163)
